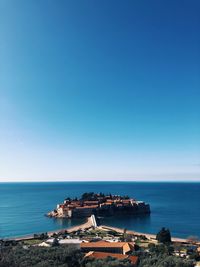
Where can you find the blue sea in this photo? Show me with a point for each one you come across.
(173, 205)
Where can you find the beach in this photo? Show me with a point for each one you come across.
(89, 224)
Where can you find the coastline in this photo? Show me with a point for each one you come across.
(131, 232)
(89, 224)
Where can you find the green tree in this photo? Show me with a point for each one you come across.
(164, 236)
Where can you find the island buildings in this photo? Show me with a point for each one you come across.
(100, 205)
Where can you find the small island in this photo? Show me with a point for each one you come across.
(99, 204)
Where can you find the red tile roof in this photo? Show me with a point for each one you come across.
(91, 202)
(133, 259)
(103, 255)
(103, 244)
(88, 207)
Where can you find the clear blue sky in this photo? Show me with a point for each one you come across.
(99, 90)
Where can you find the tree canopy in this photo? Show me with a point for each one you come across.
(164, 236)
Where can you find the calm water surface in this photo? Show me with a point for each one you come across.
(173, 205)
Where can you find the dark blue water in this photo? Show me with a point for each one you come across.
(173, 205)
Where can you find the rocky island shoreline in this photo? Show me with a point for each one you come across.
(99, 205)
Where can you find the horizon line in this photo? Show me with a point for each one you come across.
(104, 181)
